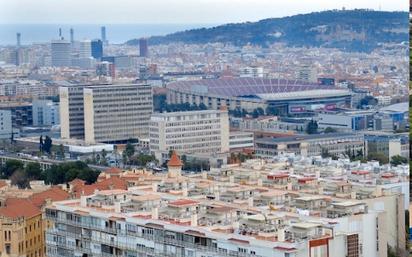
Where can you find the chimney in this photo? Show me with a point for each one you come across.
(231, 179)
(155, 213)
(353, 195)
(204, 175)
(320, 190)
(250, 201)
(378, 191)
(184, 189)
(317, 173)
(289, 186)
(217, 195)
(117, 207)
(281, 235)
(154, 187)
(193, 220)
(83, 201)
(259, 182)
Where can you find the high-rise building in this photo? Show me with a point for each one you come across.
(143, 46)
(191, 132)
(105, 113)
(85, 49)
(105, 69)
(18, 36)
(5, 124)
(60, 53)
(103, 34)
(117, 113)
(71, 112)
(97, 48)
(71, 35)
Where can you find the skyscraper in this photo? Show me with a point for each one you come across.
(60, 53)
(103, 35)
(97, 48)
(85, 49)
(71, 35)
(18, 39)
(144, 51)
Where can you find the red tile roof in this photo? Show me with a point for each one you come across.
(174, 161)
(106, 184)
(183, 202)
(113, 170)
(53, 194)
(17, 208)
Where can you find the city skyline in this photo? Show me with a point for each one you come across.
(158, 11)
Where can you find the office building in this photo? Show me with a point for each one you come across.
(143, 47)
(61, 53)
(85, 49)
(387, 143)
(5, 124)
(105, 69)
(103, 35)
(21, 113)
(333, 144)
(252, 72)
(18, 37)
(97, 49)
(116, 113)
(45, 113)
(239, 141)
(191, 132)
(71, 112)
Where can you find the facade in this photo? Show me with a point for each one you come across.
(45, 113)
(61, 53)
(21, 114)
(311, 145)
(191, 132)
(239, 140)
(97, 49)
(6, 129)
(252, 72)
(71, 112)
(116, 113)
(143, 47)
(85, 49)
(389, 144)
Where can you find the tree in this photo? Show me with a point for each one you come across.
(130, 150)
(255, 113)
(312, 127)
(67, 171)
(368, 100)
(20, 179)
(47, 145)
(10, 167)
(380, 157)
(398, 160)
(33, 171)
(103, 160)
(330, 130)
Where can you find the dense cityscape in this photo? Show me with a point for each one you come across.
(155, 148)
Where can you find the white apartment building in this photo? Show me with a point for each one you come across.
(116, 113)
(45, 113)
(192, 132)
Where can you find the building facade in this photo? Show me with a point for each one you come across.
(117, 113)
(311, 145)
(192, 132)
(45, 113)
(61, 53)
(71, 112)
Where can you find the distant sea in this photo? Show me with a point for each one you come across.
(115, 33)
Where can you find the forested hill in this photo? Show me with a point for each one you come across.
(351, 30)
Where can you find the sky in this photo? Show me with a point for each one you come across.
(172, 11)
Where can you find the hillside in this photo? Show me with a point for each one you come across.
(353, 30)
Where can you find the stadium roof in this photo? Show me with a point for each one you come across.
(243, 87)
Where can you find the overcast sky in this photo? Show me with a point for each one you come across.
(172, 11)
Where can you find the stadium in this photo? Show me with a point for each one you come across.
(286, 97)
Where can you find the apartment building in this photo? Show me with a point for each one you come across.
(117, 113)
(105, 113)
(191, 132)
(256, 208)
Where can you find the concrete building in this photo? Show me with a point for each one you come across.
(21, 113)
(6, 129)
(143, 47)
(117, 113)
(239, 140)
(61, 53)
(85, 49)
(253, 209)
(191, 132)
(252, 72)
(335, 144)
(71, 112)
(389, 144)
(45, 113)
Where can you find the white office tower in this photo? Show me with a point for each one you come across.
(192, 132)
(60, 53)
(85, 49)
